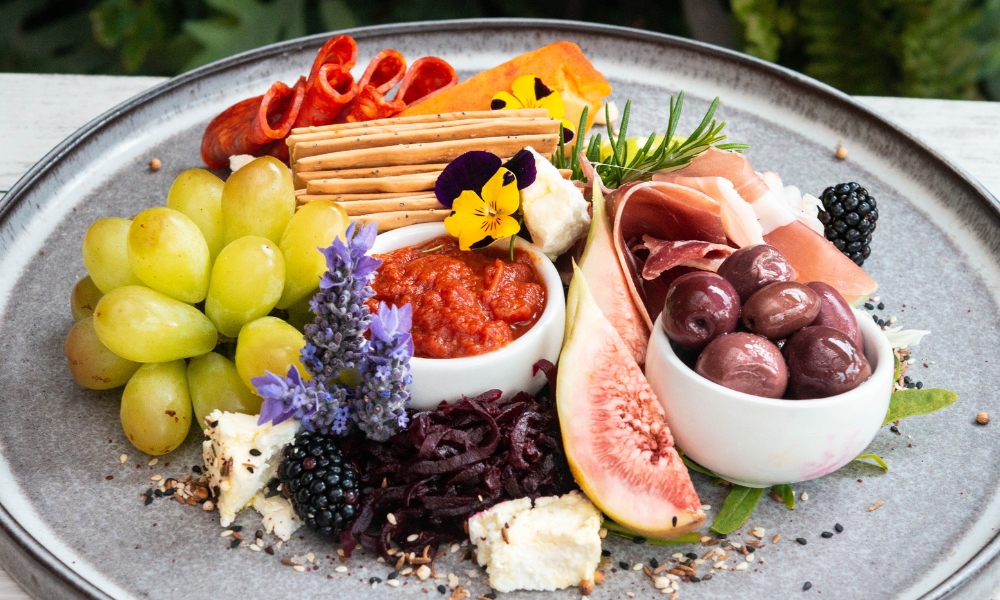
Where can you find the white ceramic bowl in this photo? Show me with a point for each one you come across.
(507, 369)
(759, 442)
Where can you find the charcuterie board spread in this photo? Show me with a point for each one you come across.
(489, 317)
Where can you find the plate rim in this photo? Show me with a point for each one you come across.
(17, 545)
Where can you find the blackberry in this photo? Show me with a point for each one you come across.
(321, 484)
(849, 218)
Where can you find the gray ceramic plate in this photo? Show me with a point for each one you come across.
(68, 530)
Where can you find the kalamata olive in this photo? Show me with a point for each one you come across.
(753, 267)
(835, 312)
(746, 363)
(780, 309)
(823, 362)
(699, 307)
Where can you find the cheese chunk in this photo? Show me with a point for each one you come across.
(277, 515)
(241, 457)
(552, 546)
(555, 211)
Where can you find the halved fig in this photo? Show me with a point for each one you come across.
(617, 441)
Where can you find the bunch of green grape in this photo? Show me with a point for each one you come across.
(185, 304)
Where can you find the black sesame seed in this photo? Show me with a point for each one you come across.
(234, 544)
(894, 429)
(213, 424)
(875, 318)
(491, 595)
(158, 493)
(906, 379)
(910, 386)
(392, 575)
(236, 528)
(707, 577)
(605, 553)
(149, 500)
(881, 305)
(622, 565)
(802, 541)
(827, 534)
(638, 540)
(250, 469)
(169, 492)
(258, 534)
(806, 586)
(675, 520)
(196, 469)
(691, 555)
(881, 323)
(838, 528)
(869, 306)
(269, 550)
(442, 589)
(374, 580)
(254, 452)
(654, 563)
(695, 579)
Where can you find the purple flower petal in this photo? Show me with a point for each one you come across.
(469, 171)
(567, 135)
(522, 165)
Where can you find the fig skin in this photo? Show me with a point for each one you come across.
(746, 363)
(699, 307)
(778, 310)
(835, 312)
(753, 267)
(823, 362)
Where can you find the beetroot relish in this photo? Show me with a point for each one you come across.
(465, 303)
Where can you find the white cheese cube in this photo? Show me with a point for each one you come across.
(277, 515)
(555, 211)
(552, 546)
(241, 457)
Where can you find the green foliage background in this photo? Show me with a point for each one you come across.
(923, 48)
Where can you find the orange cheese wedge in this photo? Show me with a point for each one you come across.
(560, 65)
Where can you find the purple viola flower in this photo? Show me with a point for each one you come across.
(380, 401)
(472, 170)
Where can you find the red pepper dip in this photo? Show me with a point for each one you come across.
(464, 303)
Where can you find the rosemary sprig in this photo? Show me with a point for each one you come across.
(669, 155)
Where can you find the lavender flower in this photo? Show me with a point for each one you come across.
(381, 399)
(319, 409)
(335, 339)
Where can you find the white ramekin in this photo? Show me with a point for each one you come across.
(759, 442)
(508, 369)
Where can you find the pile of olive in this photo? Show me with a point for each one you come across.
(752, 329)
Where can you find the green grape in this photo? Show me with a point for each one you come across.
(156, 407)
(105, 254)
(198, 194)
(299, 314)
(268, 344)
(215, 384)
(84, 298)
(169, 254)
(258, 199)
(94, 366)
(144, 325)
(247, 280)
(314, 226)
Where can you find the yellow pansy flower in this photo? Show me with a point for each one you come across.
(474, 217)
(529, 91)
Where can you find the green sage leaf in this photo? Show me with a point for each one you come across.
(787, 495)
(873, 457)
(737, 508)
(621, 531)
(696, 467)
(912, 402)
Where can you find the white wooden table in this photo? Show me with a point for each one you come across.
(38, 111)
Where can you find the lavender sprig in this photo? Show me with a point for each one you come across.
(335, 339)
(286, 397)
(381, 399)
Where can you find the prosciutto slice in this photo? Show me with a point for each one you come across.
(664, 211)
(665, 255)
(738, 218)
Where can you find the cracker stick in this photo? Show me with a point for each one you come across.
(408, 203)
(436, 118)
(394, 220)
(417, 182)
(301, 178)
(304, 197)
(432, 152)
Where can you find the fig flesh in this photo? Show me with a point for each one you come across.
(617, 442)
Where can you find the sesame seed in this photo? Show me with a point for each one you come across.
(123, 458)
(196, 469)
(406, 571)
(875, 506)
(652, 562)
(606, 553)
(838, 528)
(742, 566)
(254, 452)
(802, 541)
(806, 586)
(213, 424)
(392, 583)
(804, 496)
(749, 557)
(442, 589)
(226, 533)
(156, 477)
(602, 533)
(637, 567)
(299, 568)
(695, 579)
(412, 537)
(153, 461)
(149, 500)
(391, 518)
(827, 534)
(341, 569)
(374, 580)
(869, 306)
(254, 547)
(250, 469)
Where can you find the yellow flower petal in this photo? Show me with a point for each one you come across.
(468, 212)
(501, 199)
(554, 104)
(510, 102)
(524, 90)
(503, 226)
(475, 232)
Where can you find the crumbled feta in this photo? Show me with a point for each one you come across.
(241, 457)
(549, 547)
(555, 211)
(238, 161)
(277, 515)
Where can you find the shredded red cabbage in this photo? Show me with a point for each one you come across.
(454, 462)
